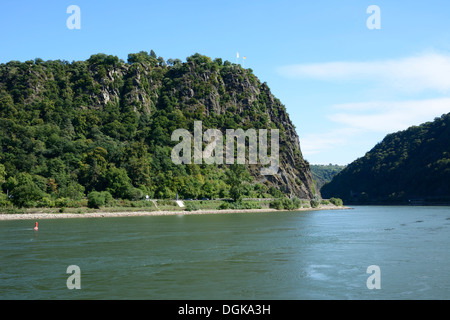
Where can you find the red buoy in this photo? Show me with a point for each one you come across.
(36, 226)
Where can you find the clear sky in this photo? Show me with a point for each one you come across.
(345, 86)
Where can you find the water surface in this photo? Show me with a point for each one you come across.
(283, 255)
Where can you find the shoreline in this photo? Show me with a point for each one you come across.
(105, 214)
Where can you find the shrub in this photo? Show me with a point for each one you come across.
(135, 194)
(277, 204)
(46, 202)
(315, 202)
(224, 206)
(286, 204)
(274, 192)
(108, 198)
(245, 205)
(61, 202)
(337, 202)
(138, 204)
(192, 206)
(296, 202)
(4, 202)
(166, 202)
(97, 199)
(76, 203)
(240, 205)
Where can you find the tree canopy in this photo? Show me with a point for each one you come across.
(105, 125)
(406, 166)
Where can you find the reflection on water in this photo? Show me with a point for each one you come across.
(284, 255)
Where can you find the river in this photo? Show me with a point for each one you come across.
(281, 256)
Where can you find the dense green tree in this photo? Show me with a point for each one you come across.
(93, 169)
(26, 193)
(117, 182)
(2, 174)
(72, 190)
(237, 175)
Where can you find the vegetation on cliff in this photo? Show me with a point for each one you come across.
(68, 129)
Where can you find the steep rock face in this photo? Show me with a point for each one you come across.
(145, 91)
(231, 90)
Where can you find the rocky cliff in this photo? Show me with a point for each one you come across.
(108, 103)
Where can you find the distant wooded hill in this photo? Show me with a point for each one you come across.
(324, 173)
(410, 166)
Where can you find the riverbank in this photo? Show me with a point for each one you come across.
(105, 214)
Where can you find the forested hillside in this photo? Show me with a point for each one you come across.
(324, 173)
(70, 128)
(410, 166)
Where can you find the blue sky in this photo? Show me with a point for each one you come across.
(344, 85)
